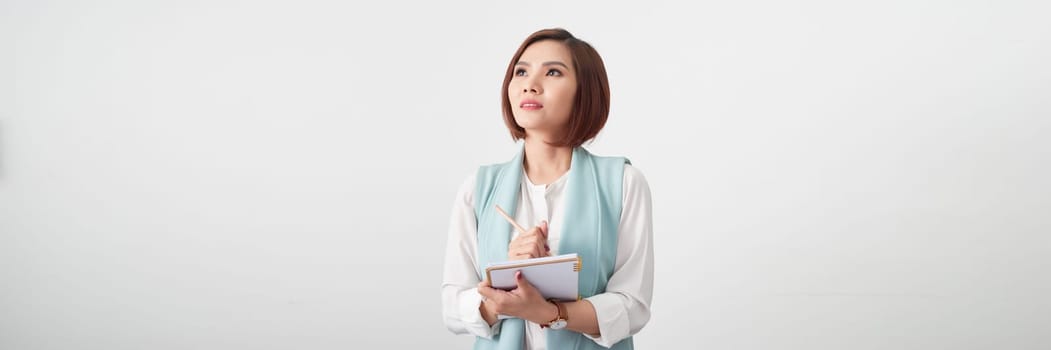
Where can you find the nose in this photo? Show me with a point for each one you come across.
(531, 86)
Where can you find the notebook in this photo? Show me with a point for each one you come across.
(554, 276)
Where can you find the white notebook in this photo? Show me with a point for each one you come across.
(554, 276)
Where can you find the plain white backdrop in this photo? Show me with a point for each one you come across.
(279, 175)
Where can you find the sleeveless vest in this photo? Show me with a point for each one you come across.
(592, 214)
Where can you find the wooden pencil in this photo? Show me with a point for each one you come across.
(509, 219)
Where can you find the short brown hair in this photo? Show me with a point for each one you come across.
(591, 103)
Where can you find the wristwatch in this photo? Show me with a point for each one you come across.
(561, 320)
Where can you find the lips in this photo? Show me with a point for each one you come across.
(530, 105)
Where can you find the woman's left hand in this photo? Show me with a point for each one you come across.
(524, 302)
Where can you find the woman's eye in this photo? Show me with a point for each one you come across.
(554, 73)
(520, 72)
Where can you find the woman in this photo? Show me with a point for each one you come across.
(555, 97)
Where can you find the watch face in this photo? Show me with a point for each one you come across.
(558, 324)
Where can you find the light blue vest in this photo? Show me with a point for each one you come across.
(592, 214)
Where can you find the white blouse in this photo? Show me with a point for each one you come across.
(621, 311)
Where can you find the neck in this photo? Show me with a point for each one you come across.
(545, 163)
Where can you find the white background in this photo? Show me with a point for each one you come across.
(279, 175)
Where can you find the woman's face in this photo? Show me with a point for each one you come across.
(543, 85)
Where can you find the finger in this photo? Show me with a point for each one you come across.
(522, 241)
(535, 231)
(516, 250)
(486, 292)
(523, 284)
(543, 247)
(527, 239)
(520, 250)
(527, 246)
(530, 242)
(536, 251)
(544, 231)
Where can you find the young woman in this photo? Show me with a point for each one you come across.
(555, 97)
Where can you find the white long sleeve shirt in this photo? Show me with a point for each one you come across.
(621, 311)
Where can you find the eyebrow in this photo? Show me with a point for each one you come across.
(548, 63)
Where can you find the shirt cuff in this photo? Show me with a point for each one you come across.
(612, 319)
(471, 315)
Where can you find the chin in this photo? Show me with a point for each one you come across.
(527, 123)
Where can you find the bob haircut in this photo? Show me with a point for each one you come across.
(591, 103)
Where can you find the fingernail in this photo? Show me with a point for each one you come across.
(518, 274)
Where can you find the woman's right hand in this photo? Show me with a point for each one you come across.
(532, 244)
